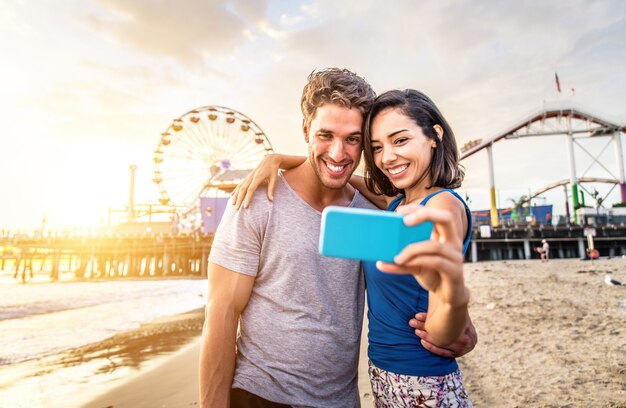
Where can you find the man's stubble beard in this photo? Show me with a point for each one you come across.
(316, 165)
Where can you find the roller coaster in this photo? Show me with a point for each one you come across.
(574, 122)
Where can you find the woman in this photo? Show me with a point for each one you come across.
(412, 164)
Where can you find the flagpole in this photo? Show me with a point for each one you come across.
(558, 84)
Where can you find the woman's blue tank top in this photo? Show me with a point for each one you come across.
(392, 301)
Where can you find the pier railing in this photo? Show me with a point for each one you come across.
(103, 257)
(565, 242)
(106, 256)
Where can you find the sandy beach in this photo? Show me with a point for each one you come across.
(550, 335)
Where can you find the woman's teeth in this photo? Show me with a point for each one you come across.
(397, 170)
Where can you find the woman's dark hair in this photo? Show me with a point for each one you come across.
(444, 170)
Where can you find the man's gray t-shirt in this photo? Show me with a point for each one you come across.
(300, 332)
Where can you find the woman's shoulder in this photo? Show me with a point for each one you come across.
(445, 198)
(394, 202)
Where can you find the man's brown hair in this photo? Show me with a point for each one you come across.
(335, 85)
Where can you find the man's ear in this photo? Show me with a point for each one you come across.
(305, 131)
(439, 131)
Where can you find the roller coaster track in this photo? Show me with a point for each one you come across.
(549, 122)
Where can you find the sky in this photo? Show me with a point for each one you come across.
(88, 86)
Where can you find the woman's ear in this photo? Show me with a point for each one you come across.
(439, 131)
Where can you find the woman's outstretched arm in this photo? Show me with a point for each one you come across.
(437, 265)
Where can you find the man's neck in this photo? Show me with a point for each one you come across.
(307, 185)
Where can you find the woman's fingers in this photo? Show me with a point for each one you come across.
(266, 171)
(239, 194)
(442, 249)
(243, 193)
(432, 263)
(252, 187)
(444, 221)
(271, 186)
(416, 266)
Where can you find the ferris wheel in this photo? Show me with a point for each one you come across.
(211, 147)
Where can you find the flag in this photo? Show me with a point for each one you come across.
(558, 84)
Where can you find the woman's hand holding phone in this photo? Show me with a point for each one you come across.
(437, 264)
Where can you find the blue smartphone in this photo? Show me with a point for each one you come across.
(367, 235)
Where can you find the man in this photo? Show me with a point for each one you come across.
(299, 314)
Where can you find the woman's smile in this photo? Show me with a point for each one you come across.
(396, 172)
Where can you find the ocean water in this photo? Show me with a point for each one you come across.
(40, 319)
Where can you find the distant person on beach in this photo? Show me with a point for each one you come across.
(411, 167)
(544, 251)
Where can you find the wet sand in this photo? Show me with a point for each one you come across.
(173, 383)
(550, 335)
(69, 379)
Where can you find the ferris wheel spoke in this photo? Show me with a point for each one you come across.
(189, 141)
(182, 155)
(203, 135)
(246, 162)
(183, 191)
(197, 137)
(245, 150)
(250, 153)
(240, 143)
(182, 182)
(174, 181)
(215, 129)
(183, 162)
(182, 147)
(186, 185)
(177, 175)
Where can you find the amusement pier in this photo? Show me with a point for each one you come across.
(204, 153)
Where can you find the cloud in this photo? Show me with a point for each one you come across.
(597, 47)
(290, 20)
(10, 23)
(185, 31)
(252, 11)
